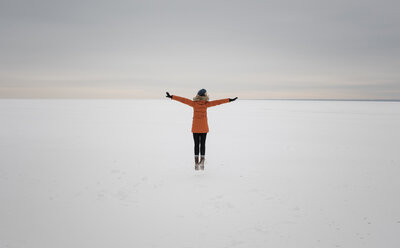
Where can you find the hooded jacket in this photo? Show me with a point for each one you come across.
(200, 123)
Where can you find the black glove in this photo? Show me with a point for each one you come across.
(168, 95)
(232, 99)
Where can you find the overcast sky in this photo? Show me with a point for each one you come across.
(251, 49)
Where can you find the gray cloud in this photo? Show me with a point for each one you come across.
(339, 49)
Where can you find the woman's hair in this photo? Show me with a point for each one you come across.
(201, 98)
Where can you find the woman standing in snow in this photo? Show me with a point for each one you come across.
(200, 104)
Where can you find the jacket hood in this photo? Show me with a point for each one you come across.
(200, 98)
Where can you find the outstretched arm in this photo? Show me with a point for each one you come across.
(180, 99)
(218, 102)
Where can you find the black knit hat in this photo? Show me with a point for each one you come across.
(202, 92)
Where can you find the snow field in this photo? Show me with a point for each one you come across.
(102, 173)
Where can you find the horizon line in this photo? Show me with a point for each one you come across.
(150, 98)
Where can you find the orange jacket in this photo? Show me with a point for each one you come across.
(200, 124)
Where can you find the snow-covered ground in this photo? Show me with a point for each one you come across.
(120, 173)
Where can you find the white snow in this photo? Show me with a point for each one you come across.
(120, 173)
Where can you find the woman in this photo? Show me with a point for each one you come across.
(200, 104)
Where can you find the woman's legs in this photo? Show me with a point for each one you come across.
(199, 143)
(199, 146)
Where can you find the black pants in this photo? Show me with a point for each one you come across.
(199, 142)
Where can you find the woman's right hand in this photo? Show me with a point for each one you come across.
(168, 95)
